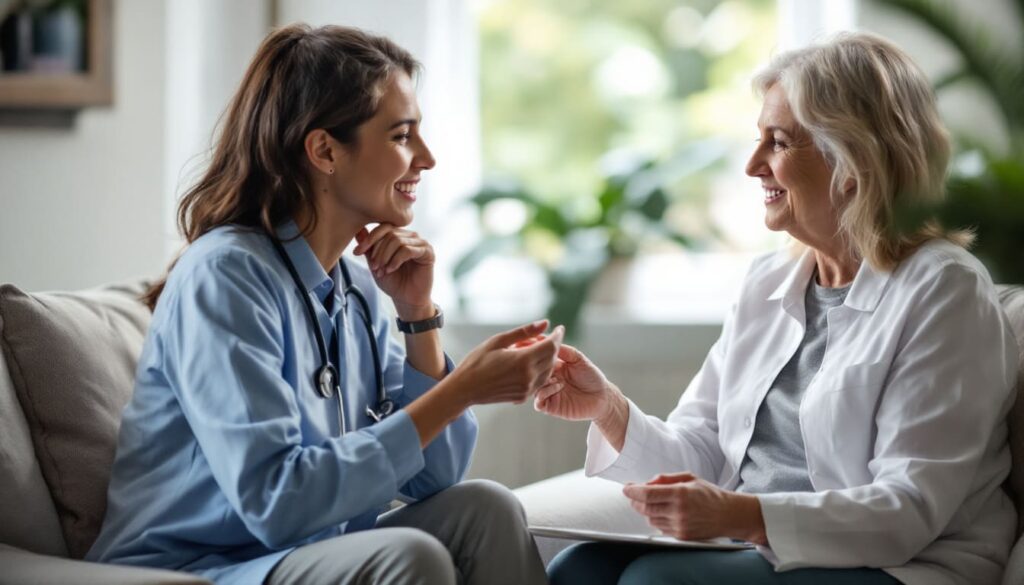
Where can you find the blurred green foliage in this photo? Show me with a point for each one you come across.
(605, 121)
(631, 203)
(986, 189)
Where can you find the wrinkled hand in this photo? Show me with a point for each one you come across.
(577, 389)
(686, 507)
(402, 264)
(502, 369)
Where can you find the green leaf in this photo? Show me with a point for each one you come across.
(490, 194)
(654, 206)
(553, 219)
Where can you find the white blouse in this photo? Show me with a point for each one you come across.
(904, 425)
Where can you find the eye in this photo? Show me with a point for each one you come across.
(777, 145)
(403, 137)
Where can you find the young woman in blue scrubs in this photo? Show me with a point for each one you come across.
(275, 417)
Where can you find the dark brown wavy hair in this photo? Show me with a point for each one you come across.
(301, 79)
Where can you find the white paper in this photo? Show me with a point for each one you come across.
(649, 539)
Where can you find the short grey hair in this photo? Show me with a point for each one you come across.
(872, 113)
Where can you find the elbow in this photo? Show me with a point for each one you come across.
(266, 505)
(269, 537)
(896, 543)
(894, 548)
(266, 524)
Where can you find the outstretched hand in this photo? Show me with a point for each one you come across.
(577, 389)
(504, 369)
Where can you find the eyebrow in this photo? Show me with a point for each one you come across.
(403, 122)
(786, 131)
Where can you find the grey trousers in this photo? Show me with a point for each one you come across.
(471, 533)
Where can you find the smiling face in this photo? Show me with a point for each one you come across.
(794, 174)
(376, 176)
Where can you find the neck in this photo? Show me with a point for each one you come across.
(836, 268)
(331, 235)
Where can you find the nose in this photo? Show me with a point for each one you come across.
(757, 166)
(424, 159)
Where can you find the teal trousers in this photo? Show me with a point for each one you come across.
(603, 563)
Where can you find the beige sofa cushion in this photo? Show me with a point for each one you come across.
(71, 358)
(1013, 303)
(29, 518)
(25, 568)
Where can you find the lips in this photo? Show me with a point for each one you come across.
(773, 195)
(407, 189)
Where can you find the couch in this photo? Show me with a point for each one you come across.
(66, 371)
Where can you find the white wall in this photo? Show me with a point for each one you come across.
(82, 206)
(95, 203)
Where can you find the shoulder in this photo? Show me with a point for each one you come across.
(942, 264)
(226, 259)
(943, 285)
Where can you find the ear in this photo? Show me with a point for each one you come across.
(322, 151)
(850, 187)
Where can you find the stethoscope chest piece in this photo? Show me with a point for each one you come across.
(326, 378)
(384, 409)
(327, 381)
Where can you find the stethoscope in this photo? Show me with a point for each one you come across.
(326, 380)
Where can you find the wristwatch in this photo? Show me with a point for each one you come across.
(412, 327)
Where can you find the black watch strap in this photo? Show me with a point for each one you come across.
(412, 327)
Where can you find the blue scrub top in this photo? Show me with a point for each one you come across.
(227, 457)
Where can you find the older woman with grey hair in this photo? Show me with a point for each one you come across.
(850, 420)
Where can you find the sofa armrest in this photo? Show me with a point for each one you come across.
(572, 500)
(28, 568)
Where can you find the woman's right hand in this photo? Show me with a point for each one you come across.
(502, 370)
(577, 390)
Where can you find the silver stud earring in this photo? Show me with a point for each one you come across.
(331, 172)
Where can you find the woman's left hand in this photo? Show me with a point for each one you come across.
(402, 264)
(688, 508)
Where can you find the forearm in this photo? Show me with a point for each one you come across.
(423, 350)
(446, 459)
(614, 421)
(438, 407)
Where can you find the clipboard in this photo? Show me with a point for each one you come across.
(647, 539)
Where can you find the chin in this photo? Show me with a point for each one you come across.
(776, 222)
(399, 218)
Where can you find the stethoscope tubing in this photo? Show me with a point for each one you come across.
(326, 379)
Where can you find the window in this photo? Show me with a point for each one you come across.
(573, 89)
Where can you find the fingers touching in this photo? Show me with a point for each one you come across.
(388, 247)
(519, 334)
